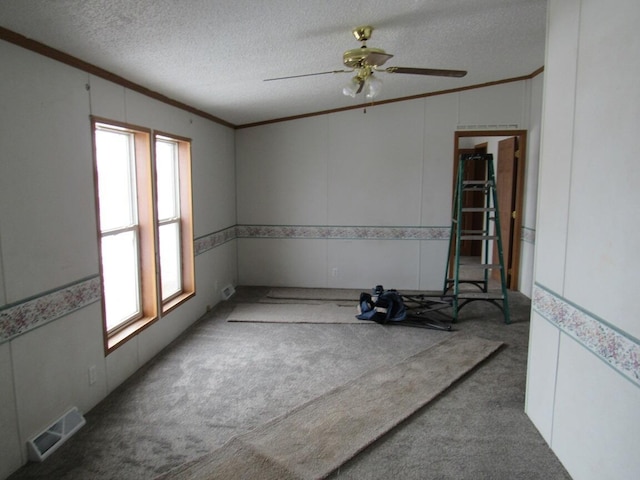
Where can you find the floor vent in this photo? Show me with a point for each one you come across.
(47, 442)
(227, 292)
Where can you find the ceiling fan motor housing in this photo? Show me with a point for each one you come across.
(365, 56)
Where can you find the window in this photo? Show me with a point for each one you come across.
(145, 226)
(175, 226)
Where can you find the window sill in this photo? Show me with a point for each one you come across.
(176, 301)
(127, 333)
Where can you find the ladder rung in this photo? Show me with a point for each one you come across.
(481, 296)
(478, 237)
(477, 182)
(481, 266)
(478, 209)
(477, 186)
(474, 189)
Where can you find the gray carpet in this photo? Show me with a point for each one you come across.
(314, 439)
(312, 296)
(326, 294)
(223, 379)
(295, 313)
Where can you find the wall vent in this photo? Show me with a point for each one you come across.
(47, 442)
(227, 292)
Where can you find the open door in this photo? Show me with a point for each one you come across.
(506, 183)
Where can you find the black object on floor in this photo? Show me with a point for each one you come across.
(412, 310)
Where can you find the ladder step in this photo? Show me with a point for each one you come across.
(478, 237)
(477, 185)
(477, 182)
(481, 266)
(469, 280)
(479, 209)
(478, 156)
(481, 296)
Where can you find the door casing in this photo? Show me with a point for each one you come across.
(514, 261)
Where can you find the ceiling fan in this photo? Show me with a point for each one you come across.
(364, 61)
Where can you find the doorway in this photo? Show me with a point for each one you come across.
(508, 148)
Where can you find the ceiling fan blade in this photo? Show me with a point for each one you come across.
(306, 75)
(427, 71)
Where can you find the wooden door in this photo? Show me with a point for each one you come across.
(506, 183)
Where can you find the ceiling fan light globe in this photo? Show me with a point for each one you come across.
(372, 87)
(351, 88)
(349, 92)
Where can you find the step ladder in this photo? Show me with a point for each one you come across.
(490, 232)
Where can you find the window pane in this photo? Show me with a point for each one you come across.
(120, 276)
(167, 179)
(114, 161)
(170, 274)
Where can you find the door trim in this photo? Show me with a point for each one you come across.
(517, 224)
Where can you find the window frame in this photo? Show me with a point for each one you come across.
(130, 226)
(151, 304)
(187, 257)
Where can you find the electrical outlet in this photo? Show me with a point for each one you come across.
(334, 272)
(92, 374)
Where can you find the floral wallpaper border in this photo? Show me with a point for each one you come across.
(342, 232)
(216, 239)
(331, 232)
(619, 351)
(20, 317)
(16, 319)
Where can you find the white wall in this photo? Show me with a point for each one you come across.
(50, 316)
(528, 233)
(584, 377)
(355, 199)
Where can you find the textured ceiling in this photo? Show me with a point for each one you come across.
(215, 54)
